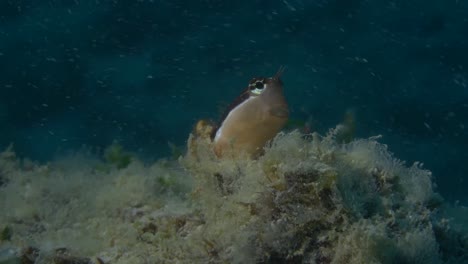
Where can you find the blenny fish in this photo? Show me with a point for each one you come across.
(253, 119)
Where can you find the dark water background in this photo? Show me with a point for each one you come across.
(87, 72)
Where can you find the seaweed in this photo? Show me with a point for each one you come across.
(116, 155)
(6, 234)
(307, 199)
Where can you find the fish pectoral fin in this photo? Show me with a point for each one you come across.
(279, 111)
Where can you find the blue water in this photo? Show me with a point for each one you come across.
(88, 72)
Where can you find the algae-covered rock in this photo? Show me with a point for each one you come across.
(9, 255)
(315, 201)
(307, 199)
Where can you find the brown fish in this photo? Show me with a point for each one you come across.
(253, 119)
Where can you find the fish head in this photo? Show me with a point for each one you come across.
(254, 118)
(269, 92)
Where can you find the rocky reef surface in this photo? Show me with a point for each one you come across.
(308, 199)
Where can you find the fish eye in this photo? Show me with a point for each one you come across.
(259, 85)
(256, 86)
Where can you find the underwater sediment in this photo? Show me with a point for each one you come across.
(305, 200)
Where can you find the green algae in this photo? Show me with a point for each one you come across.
(116, 155)
(6, 234)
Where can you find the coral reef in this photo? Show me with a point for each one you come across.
(308, 199)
